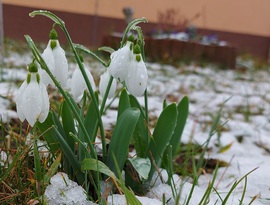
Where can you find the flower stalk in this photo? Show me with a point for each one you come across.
(44, 66)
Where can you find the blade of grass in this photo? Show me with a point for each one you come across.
(244, 192)
(235, 185)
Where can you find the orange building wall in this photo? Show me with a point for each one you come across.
(239, 16)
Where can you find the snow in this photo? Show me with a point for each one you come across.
(243, 99)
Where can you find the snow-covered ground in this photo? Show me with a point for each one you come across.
(243, 99)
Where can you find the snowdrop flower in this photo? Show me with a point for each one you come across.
(104, 80)
(55, 58)
(120, 60)
(32, 101)
(78, 85)
(128, 66)
(136, 79)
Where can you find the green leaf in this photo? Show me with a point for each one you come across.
(52, 170)
(142, 166)
(68, 124)
(70, 156)
(47, 132)
(161, 136)
(96, 165)
(91, 121)
(37, 162)
(120, 140)
(123, 102)
(182, 109)
(225, 148)
(141, 133)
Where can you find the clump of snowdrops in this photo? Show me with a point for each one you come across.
(73, 130)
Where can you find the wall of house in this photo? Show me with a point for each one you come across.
(243, 23)
(241, 16)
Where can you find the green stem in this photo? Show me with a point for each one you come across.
(88, 84)
(61, 90)
(83, 48)
(106, 95)
(61, 24)
(130, 26)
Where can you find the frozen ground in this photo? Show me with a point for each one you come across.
(242, 98)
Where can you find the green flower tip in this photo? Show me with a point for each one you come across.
(53, 44)
(137, 49)
(28, 79)
(53, 34)
(32, 68)
(38, 77)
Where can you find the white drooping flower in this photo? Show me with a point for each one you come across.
(136, 79)
(78, 84)
(128, 66)
(120, 60)
(104, 80)
(55, 58)
(32, 101)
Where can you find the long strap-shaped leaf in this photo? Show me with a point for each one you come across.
(161, 136)
(120, 140)
(47, 132)
(182, 109)
(70, 156)
(141, 134)
(95, 165)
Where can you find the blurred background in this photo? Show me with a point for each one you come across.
(243, 25)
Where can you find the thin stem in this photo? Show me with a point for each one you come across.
(61, 24)
(130, 26)
(89, 87)
(106, 95)
(83, 48)
(61, 90)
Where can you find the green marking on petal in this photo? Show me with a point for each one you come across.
(38, 78)
(28, 79)
(138, 58)
(53, 44)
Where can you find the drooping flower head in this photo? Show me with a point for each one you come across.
(104, 80)
(128, 66)
(120, 61)
(55, 58)
(32, 100)
(136, 79)
(78, 84)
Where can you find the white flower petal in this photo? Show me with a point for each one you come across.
(120, 60)
(78, 85)
(45, 103)
(18, 101)
(136, 80)
(104, 80)
(61, 65)
(32, 102)
(48, 57)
